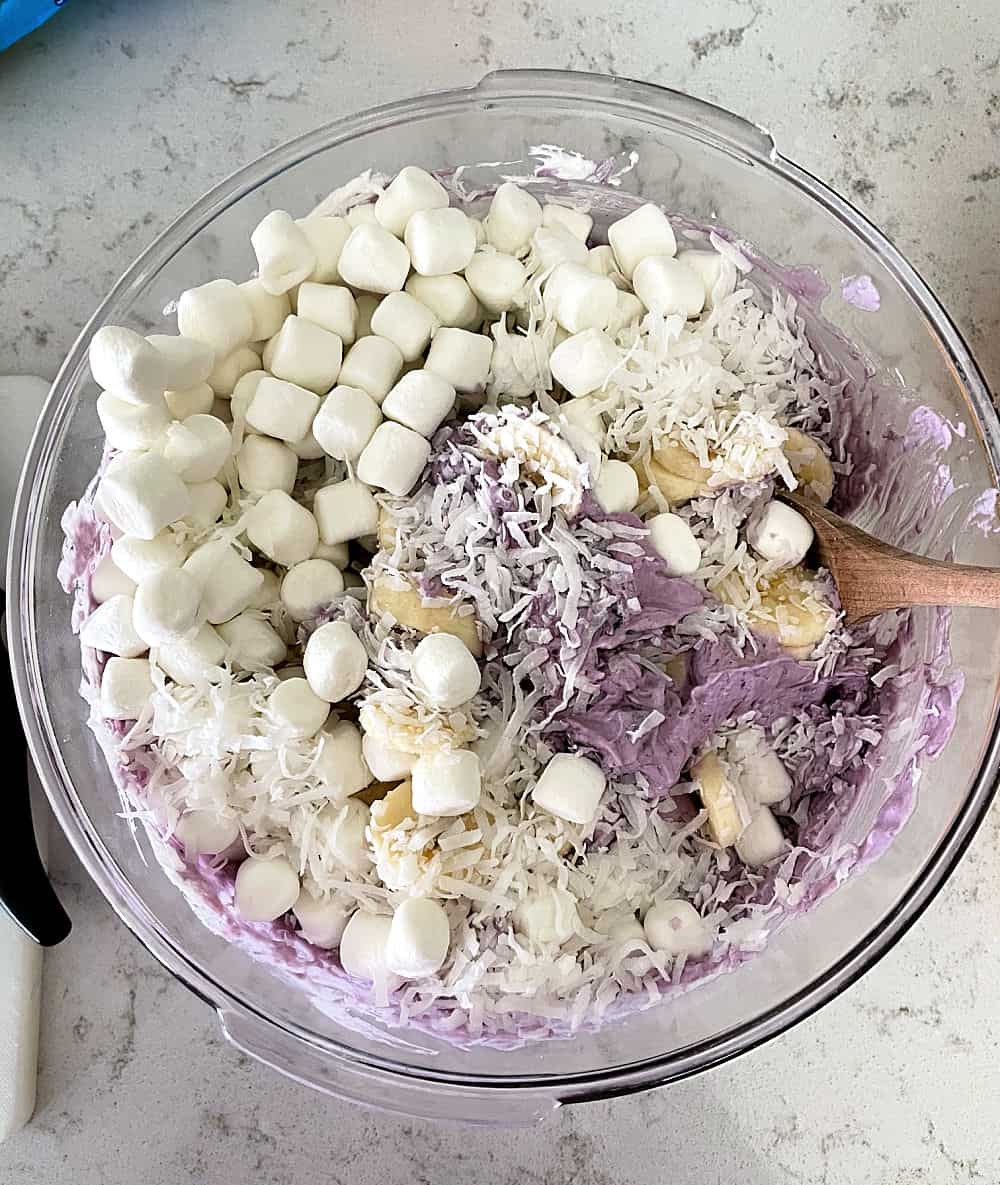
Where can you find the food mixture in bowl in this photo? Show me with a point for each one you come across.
(443, 623)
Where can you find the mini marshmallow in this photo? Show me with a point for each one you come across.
(142, 494)
(646, 231)
(228, 371)
(363, 945)
(576, 222)
(407, 323)
(449, 298)
(411, 190)
(584, 362)
(547, 915)
(578, 299)
(497, 281)
(310, 586)
(674, 542)
(108, 580)
(461, 358)
(308, 448)
(584, 413)
(188, 362)
(265, 889)
(110, 628)
(620, 926)
(336, 553)
(124, 363)
(387, 765)
(284, 254)
(343, 830)
(373, 364)
(374, 260)
(326, 236)
(252, 643)
(194, 659)
(296, 710)
(570, 787)
(307, 355)
(282, 409)
(139, 558)
(196, 448)
(346, 422)
(268, 596)
(446, 782)
(362, 215)
(601, 260)
(617, 487)
(367, 304)
(708, 265)
(126, 686)
(667, 287)
(322, 922)
(676, 928)
(552, 245)
(335, 661)
(243, 394)
(132, 427)
(513, 218)
(281, 529)
(761, 840)
(421, 401)
(763, 777)
(779, 533)
(444, 672)
(629, 310)
(266, 464)
(393, 459)
(345, 510)
(331, 307)
(419, 938)
(208, 501)
(268, 309)
(192, 401)
(341, 765)
(228, 583)
(217, 313)
(206, 832)
(167, 607)
(439, 241)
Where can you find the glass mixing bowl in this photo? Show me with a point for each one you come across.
(693, 158)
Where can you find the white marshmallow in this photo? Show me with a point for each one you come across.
(779, 533)
(142, 494)
(282, 529)
(322, 922)
(192, 401)
(308, 448)
(346, 422)
(446, 782)
(217, 313)
(363, 943)
(139, 558)
(208, 501)
(126, 686)
(373, 364)
(439, 241)
(408, 324)
(330, 306)
(444, 672)
(268, 596)
(387, 765)
(708, 265)
(676, 928)
(206, 832)
(108, 580)
(282, 409)
(296, 710)
(341, 765)
(268, 309)
(167, 607)
(393, 459)
(761, 840)
(306, 354)
(576, 222)
(513, 218)
(343, 831)
(243, 394)
(617, 487)
(461, 358)
(629, 310)
(449, 298)
(284, 254)
(497, 281)
(194, 659)
(252, 643)
(763, 777)
(667, 287)
(265, 889)
(674, 542)
(479, 231)
(367, 303)
(228, 370)
(188, 362)
(336, 553)
(335, 661)
(345, 510)
(110, 628)
(374, 260)
(228, 583)
(583, 362)
(552, 245)
(132, 427)
(547, 915)
(266, 464)
(411, 190)
(419, 938)
(578, 299)
(421, 401)
(646, 231)
(362, 215)
(196, 448)
(326, 236)
(584, 413)
(310, 586)
(124, 363)
(570, 787)
(601, 260)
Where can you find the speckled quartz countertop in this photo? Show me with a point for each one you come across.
(116, 116)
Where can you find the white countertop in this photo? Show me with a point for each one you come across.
(115, 117)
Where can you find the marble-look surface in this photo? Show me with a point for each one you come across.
(116, 116)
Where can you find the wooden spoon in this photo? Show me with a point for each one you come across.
(873, 577)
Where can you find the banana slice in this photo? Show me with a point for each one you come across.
(385, 532)
(676, 459)
(543, 458)
(674, 488)
(393, 808)
(406, 605)
(397, 863)
(726, 814)
(809, 464)
(793, 610)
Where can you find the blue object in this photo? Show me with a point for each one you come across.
(19, 17)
